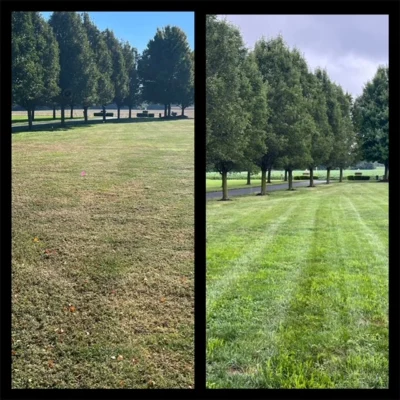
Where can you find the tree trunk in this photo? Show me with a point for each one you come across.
(72, 112)
(269, 175)
(263, 182)
(341, 175)
(62, 114)
(285, 179)
(85, 113)
(30, 119)
(290, 179)
(130, 112)
(104, 114)
(183, 111)
(386, 176)
(328, 174)
(248, 178)
(33, 114)
(224, 186)
(118, 111)
(165, 110)
(169, 110)
(311, 177)
(54, 112)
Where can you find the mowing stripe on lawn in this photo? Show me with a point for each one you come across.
(311, 310)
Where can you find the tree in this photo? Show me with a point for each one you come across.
(131, 58)
(226, 117)
(347, 149)
(289, 122)
(75, 59)
(104, 87)
(334, 119)
(185, 85)
(89, 93)
(254, 95)
(35, 66)
(371, 111)
(164, 68)
(322, 137)
(119, 77)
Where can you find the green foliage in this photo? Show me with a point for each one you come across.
(131, 59)
(35, 60)
(185, 85)
(90, 90)
(105, 89)
(254, 94)
(347, 147)
(227, 133)
(371, 117)
(322, 136)
(120, 74)
(334, 117)
(288, 121)
(165, 68)
(76, 58)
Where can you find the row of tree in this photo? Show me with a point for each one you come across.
(266, 110)
(69, 61)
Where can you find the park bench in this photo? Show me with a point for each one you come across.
(100, 114)
(145, 114)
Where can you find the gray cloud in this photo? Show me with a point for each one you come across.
(350, 47)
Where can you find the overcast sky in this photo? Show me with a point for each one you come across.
(350, 47)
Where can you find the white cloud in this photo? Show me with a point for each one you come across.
(350, 47)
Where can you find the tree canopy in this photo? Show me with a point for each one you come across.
(165, 68)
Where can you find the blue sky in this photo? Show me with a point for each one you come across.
(139, 27)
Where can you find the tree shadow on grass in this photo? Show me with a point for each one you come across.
(70, 124)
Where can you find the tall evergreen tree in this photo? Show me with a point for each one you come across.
(131, 59)
(347, 149)
(254, 95)
(104, 87)
(75, 58)
(185, 85)
(226, 122)
(120, 76)
(288, 119)
(322, 137)
(164, 67)
(89, 93)
(35, 63)
(334, 119)
(371, 112)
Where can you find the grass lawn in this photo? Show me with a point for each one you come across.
(214, 185)
(103, 264)
(297, 289)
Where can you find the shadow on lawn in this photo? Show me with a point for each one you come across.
(70, 124)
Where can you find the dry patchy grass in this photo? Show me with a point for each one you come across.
(111, 271)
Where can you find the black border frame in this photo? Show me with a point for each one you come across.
(392, 8)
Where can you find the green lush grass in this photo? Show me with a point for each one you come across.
(119, 276)
(297, 289)
(213, 185)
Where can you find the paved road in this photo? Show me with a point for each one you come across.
(257, 189)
